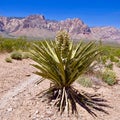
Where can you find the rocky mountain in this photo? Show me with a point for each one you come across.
(38, 27)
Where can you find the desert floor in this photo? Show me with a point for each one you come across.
(18, 100)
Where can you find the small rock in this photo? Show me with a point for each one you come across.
(41, 116)
(29, 116)
(49, 113)
(47, 107)
(36, 85)
(28, 75)
(10, 109)
(36, 112)
(34, 118)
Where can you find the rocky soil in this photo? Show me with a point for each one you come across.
(18, 100)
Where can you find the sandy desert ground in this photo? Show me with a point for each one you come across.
(18, 92)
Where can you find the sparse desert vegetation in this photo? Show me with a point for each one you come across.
(59, 60)
(63, 63)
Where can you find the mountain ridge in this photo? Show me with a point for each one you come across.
(38, 26)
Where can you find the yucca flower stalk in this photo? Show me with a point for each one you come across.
(62, 62)
(62, 43)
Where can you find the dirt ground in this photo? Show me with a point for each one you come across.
(18, 92)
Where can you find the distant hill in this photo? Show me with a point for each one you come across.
(36, 26)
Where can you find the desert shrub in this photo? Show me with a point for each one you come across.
(16, 55)
(9, 44)
(115, 51)
(111, 53)
(109, 77)
(62, 63)
(114, 59)
(25, 55)
(6, 45)
(8, 59)
(21, 44)
(85, 81)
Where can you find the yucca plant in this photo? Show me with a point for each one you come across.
(62, 62)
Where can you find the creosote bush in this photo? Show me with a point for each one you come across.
(6, 45)
(62, 62)
(109, 76)
(25, 55)
(16, 55)
(8, 59)
(11, 44)
(85, 81)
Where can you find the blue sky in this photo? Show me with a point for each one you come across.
(92, 12)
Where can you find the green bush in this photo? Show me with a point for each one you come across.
(8, 59)
(6, 45)
(16, 55)
(25, 55)
(21, 44)
(109, 76)
(10, 44)
(85, 81)
(114, 59)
